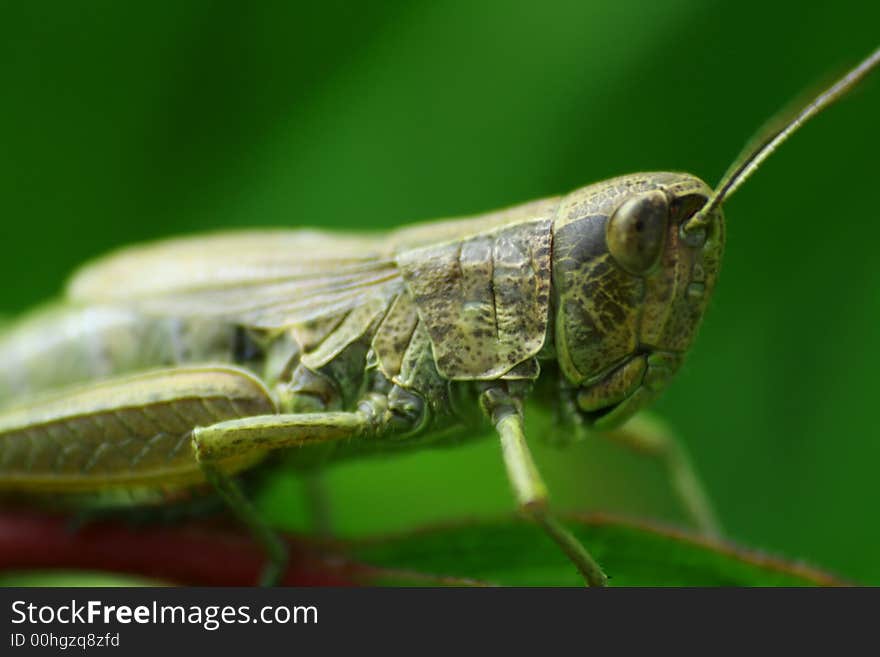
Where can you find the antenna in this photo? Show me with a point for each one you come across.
(768, 139)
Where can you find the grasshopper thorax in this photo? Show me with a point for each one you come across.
(630, 287)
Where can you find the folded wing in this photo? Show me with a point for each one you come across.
(265, 279)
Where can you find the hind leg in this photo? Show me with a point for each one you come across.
(165, 428)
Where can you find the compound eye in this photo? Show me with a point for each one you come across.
(637, 230)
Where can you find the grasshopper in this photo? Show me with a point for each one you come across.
(188, 361)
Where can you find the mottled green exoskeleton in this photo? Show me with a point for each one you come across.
(191, 360)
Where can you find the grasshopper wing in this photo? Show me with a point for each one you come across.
(265, 279)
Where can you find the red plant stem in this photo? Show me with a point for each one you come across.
(195, 553)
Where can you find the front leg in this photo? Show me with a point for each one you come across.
(530, 490)
(647, 435)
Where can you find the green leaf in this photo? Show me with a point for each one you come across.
(515, 553)
(504, 552)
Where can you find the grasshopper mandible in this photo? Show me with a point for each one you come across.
(189, 361)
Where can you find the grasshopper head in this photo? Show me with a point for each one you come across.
(631, 286)
(635, 261)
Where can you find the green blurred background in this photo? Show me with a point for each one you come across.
(122, 123)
